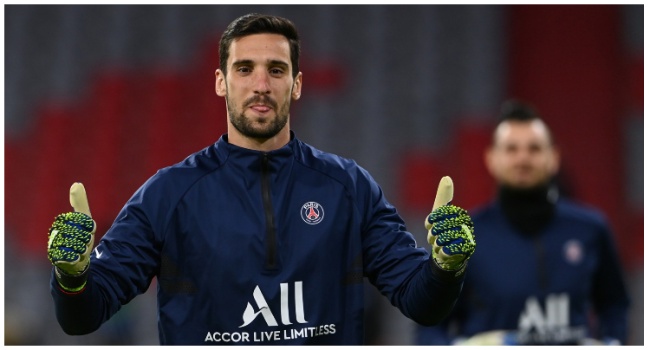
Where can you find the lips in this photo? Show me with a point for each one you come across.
(261, 108)
(260, 103)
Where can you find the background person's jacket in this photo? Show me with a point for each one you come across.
(561, 286)
(259, 248)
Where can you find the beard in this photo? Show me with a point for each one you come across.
(247, 126)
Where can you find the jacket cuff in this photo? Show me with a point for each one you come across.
(71, 283)
(448, 275)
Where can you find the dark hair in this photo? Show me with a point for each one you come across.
(255, 23)
(519, 111)
(516, 110)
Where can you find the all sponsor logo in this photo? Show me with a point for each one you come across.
(259, 308)
(263, 309)
(549, 324)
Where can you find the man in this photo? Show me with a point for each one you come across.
(547, 265)
(259, 238)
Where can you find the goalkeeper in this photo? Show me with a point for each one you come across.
(258, 238)
(549, 271)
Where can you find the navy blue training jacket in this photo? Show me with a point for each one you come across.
(559, 287)
(257, 248)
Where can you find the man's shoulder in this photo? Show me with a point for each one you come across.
(329, 164)
(353, 177)
(483, 210)
(570, 209)
(316, 157)
(187, 171)
(205, 159)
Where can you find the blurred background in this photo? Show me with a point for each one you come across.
(108, 94)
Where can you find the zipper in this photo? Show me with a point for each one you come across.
(542, 274)
(271, 253)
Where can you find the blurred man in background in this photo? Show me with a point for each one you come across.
(548, 271)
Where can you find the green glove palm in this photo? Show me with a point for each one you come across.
(450, 230)
(70, 241)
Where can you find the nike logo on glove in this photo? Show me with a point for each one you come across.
(98, 254)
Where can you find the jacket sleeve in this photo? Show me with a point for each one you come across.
(610, 297)
(402, 271)
(121, 267)
(430, 296)
(447, 331)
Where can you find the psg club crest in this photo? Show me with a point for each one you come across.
(573, 251)
(312, 213)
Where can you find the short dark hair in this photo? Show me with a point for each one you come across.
(255, 23)
(514, 110)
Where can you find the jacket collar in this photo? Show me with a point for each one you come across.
(244, 156)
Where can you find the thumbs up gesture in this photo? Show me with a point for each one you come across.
(450, 230)
(71, 237)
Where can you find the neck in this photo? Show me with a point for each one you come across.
(529, 210)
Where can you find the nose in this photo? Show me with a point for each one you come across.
(262, 84)
(524, 157)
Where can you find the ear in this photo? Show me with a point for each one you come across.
(297, 86)
(555, 161)
(488, 159)
(220, 83)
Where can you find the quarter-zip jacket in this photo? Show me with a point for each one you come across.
(543, 288)
(257, 248)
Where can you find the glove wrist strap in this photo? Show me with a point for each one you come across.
(457, 271)
(71, 283)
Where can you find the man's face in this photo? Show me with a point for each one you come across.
(522, 155)
(258, 87)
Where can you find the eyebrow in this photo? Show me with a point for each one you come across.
(248, 62)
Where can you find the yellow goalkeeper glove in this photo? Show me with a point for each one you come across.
(450, 230)
(70, 242)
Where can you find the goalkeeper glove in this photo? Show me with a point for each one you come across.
(70, 242)
(450, 230)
